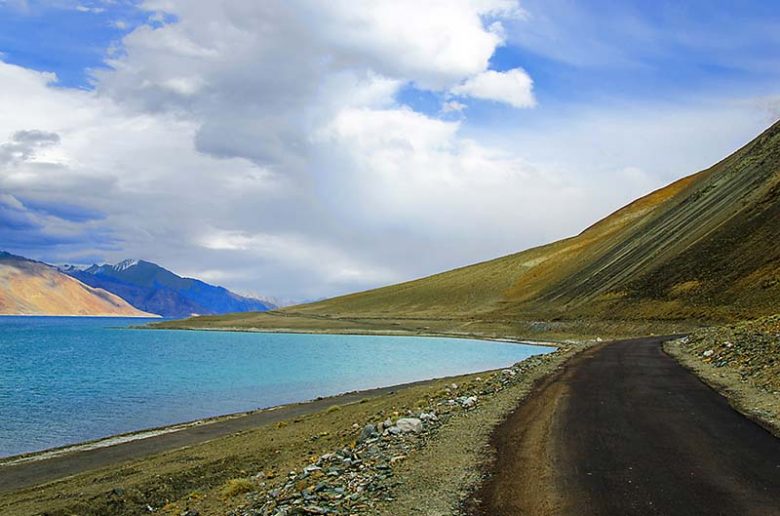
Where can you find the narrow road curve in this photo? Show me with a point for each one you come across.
(624, 429)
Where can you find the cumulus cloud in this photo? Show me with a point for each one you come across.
(260, 77)
(242, 141)
(23, 145)
(513, 87)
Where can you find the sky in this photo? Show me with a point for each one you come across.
(303, 149)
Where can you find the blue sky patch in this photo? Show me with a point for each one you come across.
(66, 38)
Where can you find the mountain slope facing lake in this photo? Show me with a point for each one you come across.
(28, 287)
(704, 248)
(152, 288)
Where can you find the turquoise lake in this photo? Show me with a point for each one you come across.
(65, 380)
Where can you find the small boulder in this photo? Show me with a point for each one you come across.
(308, 470)
(409, 424)
(469, 402)
(368, 432)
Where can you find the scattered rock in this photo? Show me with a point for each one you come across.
(428, 417)
(353, 479)
(409, 424)
(468, 402)
(368, 432)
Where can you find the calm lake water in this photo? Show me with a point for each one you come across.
(69, 379)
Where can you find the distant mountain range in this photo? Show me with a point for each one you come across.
(28, 287)
(154, 289)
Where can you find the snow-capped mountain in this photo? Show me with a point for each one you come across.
(154, 289)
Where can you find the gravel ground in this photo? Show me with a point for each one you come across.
(742, 362)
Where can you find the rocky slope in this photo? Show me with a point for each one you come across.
(33, 288)
(152, 288)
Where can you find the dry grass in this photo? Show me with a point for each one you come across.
(237, 486)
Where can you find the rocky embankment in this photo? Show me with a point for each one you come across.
(742, 361)
(360, 478)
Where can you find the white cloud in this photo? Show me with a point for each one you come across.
(513, 87)
(263, 143)
(335, 267)
(89, 9)
(452, 106)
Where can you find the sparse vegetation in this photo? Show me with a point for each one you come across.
(237, 486)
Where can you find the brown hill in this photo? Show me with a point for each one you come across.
(33, 288)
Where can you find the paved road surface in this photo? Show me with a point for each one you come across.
(626, 430)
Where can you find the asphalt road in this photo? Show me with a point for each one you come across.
(624, 429)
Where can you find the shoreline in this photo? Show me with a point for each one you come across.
(367, 333)
(103, 316)
(151, 432)
(192, 469)
(136, 445)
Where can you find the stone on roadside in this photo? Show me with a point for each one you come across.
(468, 402)
(368, 432)
(308, 470)
(409, 424)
